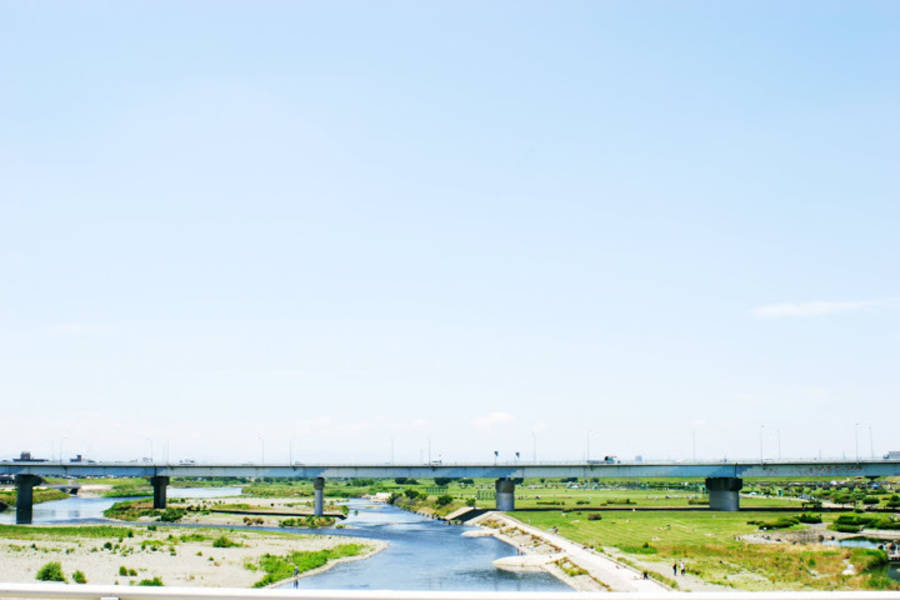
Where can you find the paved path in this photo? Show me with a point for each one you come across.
(618, 577)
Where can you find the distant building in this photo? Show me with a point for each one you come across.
(892, 455)
(25, 456)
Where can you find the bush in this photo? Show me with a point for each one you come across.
(224, 542)
(810, 518)
(779, 523)
(156, 581)
(594, 516)
(78, 577)
(123, 571)
(442, 481)
(444, 500)
(171, 514)
(52, 571)
(411, 493)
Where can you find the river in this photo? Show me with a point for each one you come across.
(423, 554)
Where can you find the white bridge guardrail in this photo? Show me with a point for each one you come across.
(118, 592)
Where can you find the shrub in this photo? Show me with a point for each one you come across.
(171, 514)
(156, 581)
(442, 481)
(810, 518)
(52, 571)
(594, 516)
(123, 571)
(444, 500)
(411, 493)
(78, 577)
(224, 542)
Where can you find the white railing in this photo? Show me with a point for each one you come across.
(117, 592)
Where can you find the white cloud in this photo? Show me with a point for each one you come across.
(491, 419)
(811, 309)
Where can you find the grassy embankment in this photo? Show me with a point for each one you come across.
(8, 497)
(132, 510)
(279, 568)
(707, 543)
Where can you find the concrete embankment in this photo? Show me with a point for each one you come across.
(577, 566)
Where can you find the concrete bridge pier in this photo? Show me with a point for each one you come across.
(318, 496)
(506, 494)
(724, 493)
(25, 497)
(159, 483)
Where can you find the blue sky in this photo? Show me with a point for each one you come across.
(324, 226)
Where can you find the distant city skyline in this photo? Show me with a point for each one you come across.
(349, 231)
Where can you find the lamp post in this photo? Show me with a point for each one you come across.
(761, 428)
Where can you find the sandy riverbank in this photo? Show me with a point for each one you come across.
(580, 568)
(179, 556)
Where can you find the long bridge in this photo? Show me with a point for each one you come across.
(724, 479)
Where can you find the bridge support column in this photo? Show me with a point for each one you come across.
(159, 483)
(724, 493)
(318, 496)
(506, 494)
(25, 497)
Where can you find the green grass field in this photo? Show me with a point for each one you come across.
(707, 542)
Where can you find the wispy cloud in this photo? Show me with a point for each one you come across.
(812, 309)
(491, 419)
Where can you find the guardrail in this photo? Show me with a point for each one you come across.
(116, 592)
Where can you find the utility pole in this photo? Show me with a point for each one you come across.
(779, 443)
(871, 444)
(761, 428)
(587, 446)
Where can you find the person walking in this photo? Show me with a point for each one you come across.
(675, 569)
(683, 570)
(296, 577)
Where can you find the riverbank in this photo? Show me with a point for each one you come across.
(121, 555)
(577, 566)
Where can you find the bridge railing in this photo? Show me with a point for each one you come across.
(52, 591)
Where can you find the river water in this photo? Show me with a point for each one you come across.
(76, 508)
(422, 554)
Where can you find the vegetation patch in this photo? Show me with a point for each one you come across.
(278, 568)
(307, 522)
(52, 571)
(224, 542)
(39, 495)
